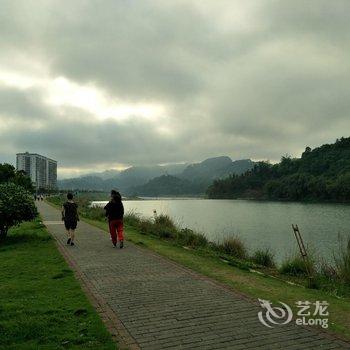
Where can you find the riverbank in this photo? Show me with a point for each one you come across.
(252, 280)
(247, 281)
(42, 305)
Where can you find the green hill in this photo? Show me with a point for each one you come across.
(193, 180)
(320, 174)
(166, 185)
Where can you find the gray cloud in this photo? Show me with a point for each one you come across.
(260, 88)
(18, 105)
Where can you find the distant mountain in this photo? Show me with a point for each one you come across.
(139, 175)
(321, 174)
(107, 174)
(165, 185)
(194, 179)
(122, 180)
(82, 183)
(174, 179)
(214, 168)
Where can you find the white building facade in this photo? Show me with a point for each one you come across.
(42, 170)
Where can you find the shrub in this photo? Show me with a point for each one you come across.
(264, 258)
(164, 231)
(163, 227)
(132, 219)
(95, 213)
(233, 246)
(296, 267)
(145, 226)
(164, 221)
(343, 261)
(16, 206)
(190, 238)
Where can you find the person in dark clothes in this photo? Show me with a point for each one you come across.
(70, 217)
(115, 213)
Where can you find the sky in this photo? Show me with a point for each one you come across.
(109, 84)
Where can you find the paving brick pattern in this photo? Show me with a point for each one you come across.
(152, 303)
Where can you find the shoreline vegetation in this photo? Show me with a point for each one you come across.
(255, 274)
(321, 174)
(334, 279)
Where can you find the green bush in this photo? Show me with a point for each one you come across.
(192, 239)
(132, 219)
(264, 258)
(296, 267)
(95, 213)
(233, 246)
(164, 221)
(164, 231)
(16, 206)
(145, 226)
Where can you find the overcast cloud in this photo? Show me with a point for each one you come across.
(108, 84)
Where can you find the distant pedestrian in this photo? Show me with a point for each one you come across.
(115, 213)
(70, 217)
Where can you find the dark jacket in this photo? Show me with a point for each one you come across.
(114, 210)
(70, 212)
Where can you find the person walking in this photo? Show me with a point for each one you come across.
(70, 217)
(115, 213)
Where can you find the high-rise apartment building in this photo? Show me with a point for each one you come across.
(42, 170)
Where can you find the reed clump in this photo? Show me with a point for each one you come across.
(264, 257)
(233, 246)
(296, 266)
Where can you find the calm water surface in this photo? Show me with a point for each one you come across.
(258, 224)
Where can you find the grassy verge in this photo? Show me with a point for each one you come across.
(41, 303)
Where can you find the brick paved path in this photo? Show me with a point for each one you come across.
(152, 303)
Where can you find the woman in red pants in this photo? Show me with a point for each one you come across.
(115, 213)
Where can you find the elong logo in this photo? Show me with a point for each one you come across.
(280, 315)
(274, 315)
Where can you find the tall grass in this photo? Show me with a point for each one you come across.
(131, 218)
(192, 239)
(342, 262)
(295, 266)
(233, 246)
(264, 257)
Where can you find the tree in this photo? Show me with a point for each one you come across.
(306, 152)
(9, 174)
(320, 174)
(16, 206)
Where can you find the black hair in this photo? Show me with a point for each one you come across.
(116, 196)
(69, 196)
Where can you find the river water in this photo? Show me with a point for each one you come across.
(259, 224)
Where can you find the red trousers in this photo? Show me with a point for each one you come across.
(114, 227)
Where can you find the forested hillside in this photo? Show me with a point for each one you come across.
(193, 180)
(166, 185)
(320, 174)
